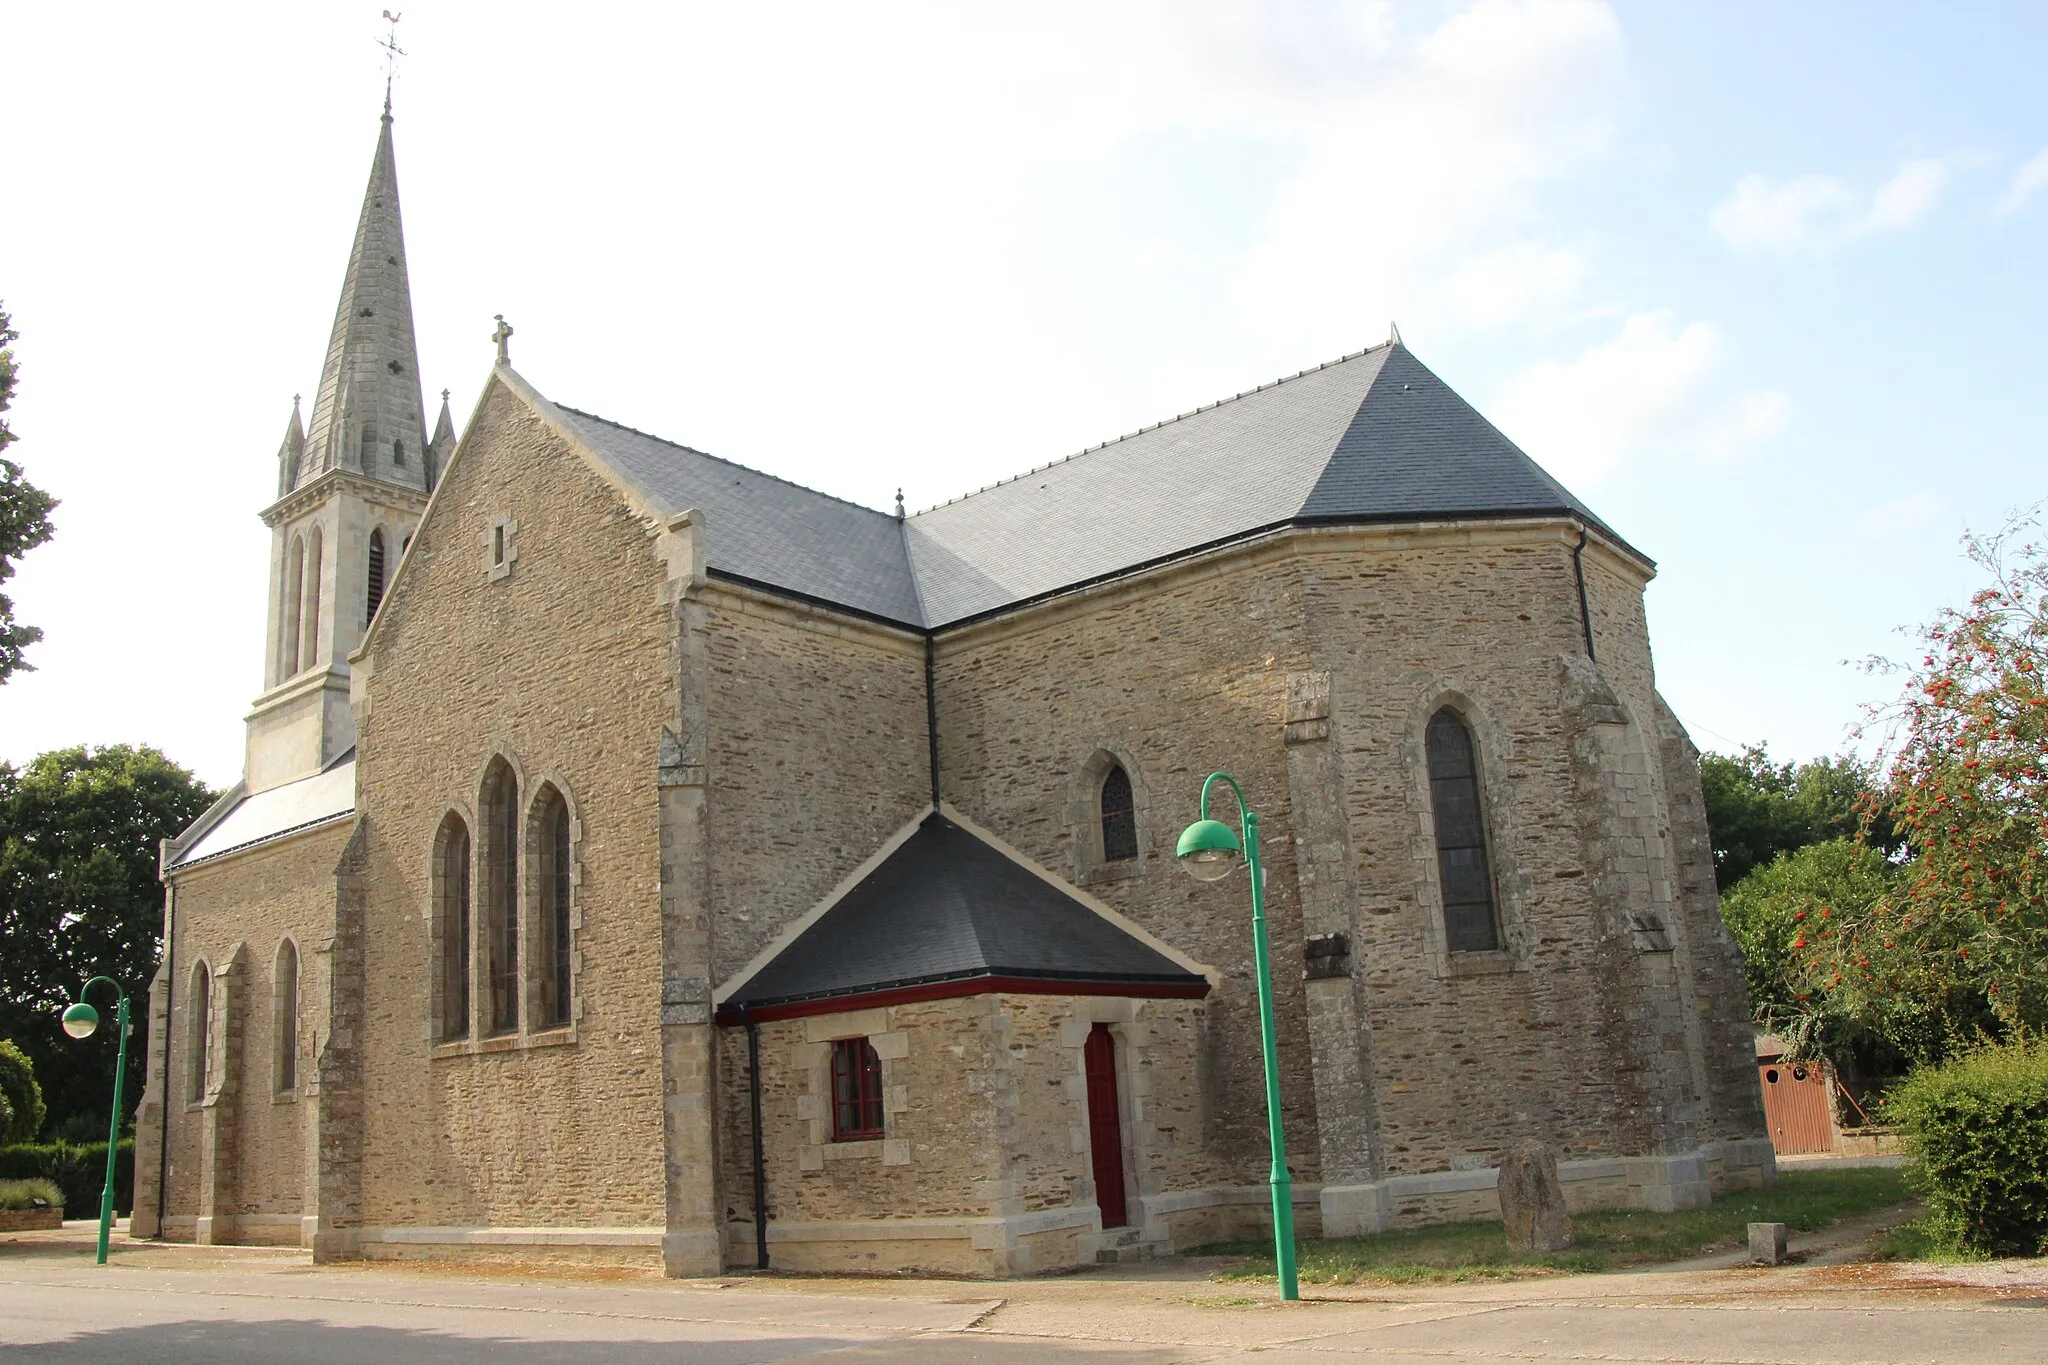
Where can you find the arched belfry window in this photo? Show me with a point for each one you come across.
(376, 585)
(452, 919)
(1464, 870)
(1119, 817)
(499, 811)
(198, 1031)
(551, 890)
(309, 639)
(284, 995)
(294, 595)
(398, 453)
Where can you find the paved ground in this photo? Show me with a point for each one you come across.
(185, 1305)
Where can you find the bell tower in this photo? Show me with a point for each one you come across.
(351, 488)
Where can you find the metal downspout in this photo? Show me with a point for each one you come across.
(931, 712)
(1579, 571)
(760, 1158)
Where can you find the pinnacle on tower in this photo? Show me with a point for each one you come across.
(367, 416)
(292, 453)
(442, 446)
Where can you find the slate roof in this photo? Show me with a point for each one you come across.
(1373, 437)
(316, 800)
(763, 529)
(947, 906)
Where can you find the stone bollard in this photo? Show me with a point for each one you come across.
(1767, 1243)
(1532, 1200)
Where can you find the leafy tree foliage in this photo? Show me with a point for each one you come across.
(1961, 943)
(1757, 809)
(1777, 913)
(21, 1099)
(24, 515)
(79, 897)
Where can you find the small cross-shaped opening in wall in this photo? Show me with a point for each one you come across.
(498, 544)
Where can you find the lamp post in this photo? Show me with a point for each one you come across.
(1210, 852)
(79, 1021)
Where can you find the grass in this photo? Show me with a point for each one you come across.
(24, 1194)
(1603, 1240)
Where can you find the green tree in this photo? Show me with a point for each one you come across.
(1958, 950)
(1757, 809)
(21, 1099)
(1776, 914)
(24, 515)
(79, 897)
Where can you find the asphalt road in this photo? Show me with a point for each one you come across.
(219, 1309)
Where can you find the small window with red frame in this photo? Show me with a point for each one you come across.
(856, 1091)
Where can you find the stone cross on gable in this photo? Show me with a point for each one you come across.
(502, 335)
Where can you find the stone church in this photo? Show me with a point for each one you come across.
(644, 858)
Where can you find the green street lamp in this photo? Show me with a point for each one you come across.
(1210, 852)
(80, 1020)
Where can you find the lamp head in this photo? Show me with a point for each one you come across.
(1209, 850)
(80, 1020)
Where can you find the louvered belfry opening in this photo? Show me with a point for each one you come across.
(376, 585)
(1119, 818)
(1465, 871)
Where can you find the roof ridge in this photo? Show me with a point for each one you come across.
(1166, 422)
(732, 464)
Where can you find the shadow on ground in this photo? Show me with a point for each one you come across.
(311, 1342)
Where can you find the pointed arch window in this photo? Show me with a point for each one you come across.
(1119, 817)
(198, 1031)
(376, 584)
(499, 811)
(551, 891)
(309, 611)
(284, 995)
(1465, 872)
(452, 920)
(294, 595)
(398, 453)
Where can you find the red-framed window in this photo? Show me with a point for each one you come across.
(856, 1091)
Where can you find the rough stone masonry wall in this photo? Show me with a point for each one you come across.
(559, 666)
(1468, 1054)
(942, 1064)
(254, 899)
(817, 754)
(1176, 675)
(1720, 1041)
(987, 1116)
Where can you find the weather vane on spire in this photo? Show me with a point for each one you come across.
(392, 52)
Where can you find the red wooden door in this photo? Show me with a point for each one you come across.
(1105, 1128)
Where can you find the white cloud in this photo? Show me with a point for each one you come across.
(2027, 181)
(1647, 390)
(1414, 191)
(1901, 516)
(1498, 287)
(1811, 215)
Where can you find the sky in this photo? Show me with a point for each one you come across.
(1763, 284)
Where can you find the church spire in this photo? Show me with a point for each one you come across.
(367, 415)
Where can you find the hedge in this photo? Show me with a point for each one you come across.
(78, 1168)
(1977, 1129)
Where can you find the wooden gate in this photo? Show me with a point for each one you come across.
(1105, 1126)
(1797, 1107)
